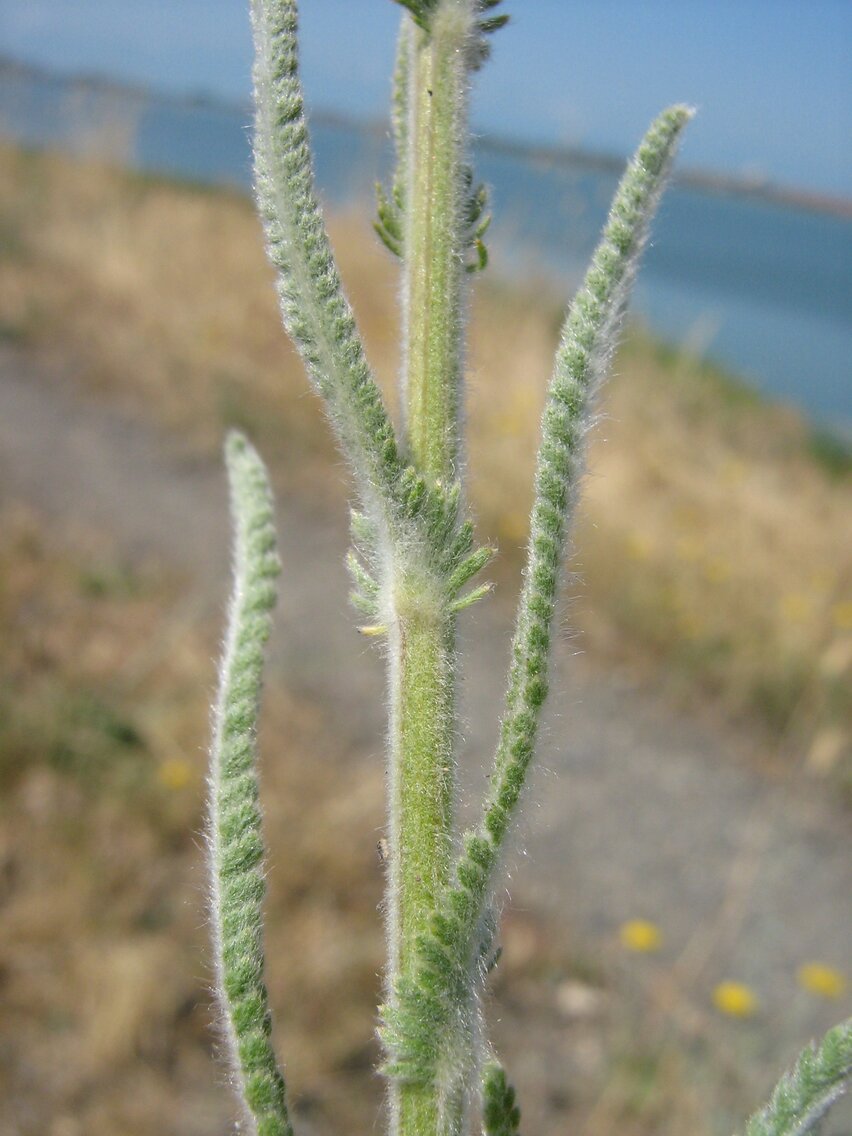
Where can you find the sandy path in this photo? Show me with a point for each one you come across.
(637, 811)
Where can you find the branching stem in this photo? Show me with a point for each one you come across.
(413, 554)
(422, 628)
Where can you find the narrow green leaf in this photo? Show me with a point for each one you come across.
(414, 517)
(805, 1094)
(420, 11)
(391, 207)
(316, 313)
(235, 841)
(487, 25)
(365, 591)
(468, 568)
(587, 345)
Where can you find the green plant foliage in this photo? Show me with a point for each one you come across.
(422, 1022)
(315, 310)
(805, 1094)
(422, 12)
(234, 832)
(389, 224)
(500, 1115)
(413, 564)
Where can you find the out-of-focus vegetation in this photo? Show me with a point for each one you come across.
(713, 548)
(103, 985)
(714, 541)
(106, 1026)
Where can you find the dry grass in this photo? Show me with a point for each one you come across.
(162, 296)
(105, 1008)
(714, 544)
(715, 539)
(103, 984)
(712, 547)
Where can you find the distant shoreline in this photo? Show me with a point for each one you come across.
(706, 181)
(575, 157)
(754, 277)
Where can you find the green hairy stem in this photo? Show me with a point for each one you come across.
(434, 239)
(425, 1022)
(432, 80)
(412, 559)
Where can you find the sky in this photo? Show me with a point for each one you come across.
(772, 79)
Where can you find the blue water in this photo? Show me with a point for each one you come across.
(763, 289)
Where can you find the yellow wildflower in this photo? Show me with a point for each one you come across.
(735, 999)
(640, 935)
(175, 773)
(817, 978)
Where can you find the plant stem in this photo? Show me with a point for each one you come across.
(421, 652)
(423, 720)
(434, 245)
(433, 1014)
(422, 629)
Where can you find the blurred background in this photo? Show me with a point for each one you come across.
(678, 922)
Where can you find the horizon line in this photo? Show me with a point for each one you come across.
(696, 178)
